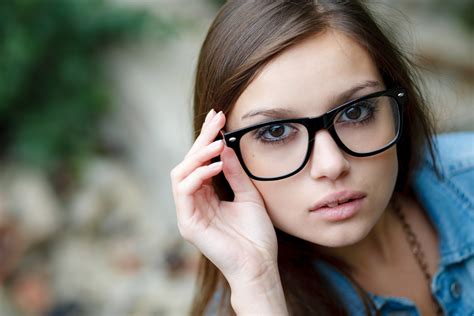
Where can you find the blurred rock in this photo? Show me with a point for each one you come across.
(27, 196)
(6, 307)
(11, 249)
(32, 294)
(109, 200)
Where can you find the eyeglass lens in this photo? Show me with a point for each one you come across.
(279, 149)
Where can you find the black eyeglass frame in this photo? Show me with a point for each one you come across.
(314, 124)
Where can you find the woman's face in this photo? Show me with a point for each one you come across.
(307, 80)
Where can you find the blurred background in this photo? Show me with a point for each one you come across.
(95, 110)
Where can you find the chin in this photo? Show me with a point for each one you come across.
(341, 238)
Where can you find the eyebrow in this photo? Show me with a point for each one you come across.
(340, 99)
(349, 94)
(272, 113)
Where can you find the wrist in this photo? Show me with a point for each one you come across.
(262, 295)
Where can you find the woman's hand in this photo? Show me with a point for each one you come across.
(238, 236)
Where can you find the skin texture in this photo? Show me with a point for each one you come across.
(308, 80)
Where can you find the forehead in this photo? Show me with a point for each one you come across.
(306, 79)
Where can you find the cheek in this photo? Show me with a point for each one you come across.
(280, 197)
(383, 169)
(379, 175)
(270, 191)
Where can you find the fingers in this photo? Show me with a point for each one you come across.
(210, 129)
(184, 190)
(194, 181)
(197, 159)
(238, 180)
(210, 114)
(202, 150)
(193, 171)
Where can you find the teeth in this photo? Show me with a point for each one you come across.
(333, 204)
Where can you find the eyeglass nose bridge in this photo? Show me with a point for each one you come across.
(315, 124)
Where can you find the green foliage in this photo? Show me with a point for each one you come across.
(461, 10)
(52, 91)
(218, 3)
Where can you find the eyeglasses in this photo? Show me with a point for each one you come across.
(279, 149)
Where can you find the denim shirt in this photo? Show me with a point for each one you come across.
(449, 203)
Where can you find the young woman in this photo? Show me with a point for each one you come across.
(311, 187)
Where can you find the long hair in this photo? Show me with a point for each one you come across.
(243, 38)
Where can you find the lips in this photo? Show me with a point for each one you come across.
(333, 200)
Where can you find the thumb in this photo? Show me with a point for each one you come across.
(238, 180)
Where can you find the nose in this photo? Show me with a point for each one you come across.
(327, 159)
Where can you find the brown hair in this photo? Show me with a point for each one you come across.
(244, 37)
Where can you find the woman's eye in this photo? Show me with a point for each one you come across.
(275, 132)
(356, 113)
(353, 113)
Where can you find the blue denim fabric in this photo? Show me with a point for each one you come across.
(449, 203)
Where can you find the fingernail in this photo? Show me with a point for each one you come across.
(216, 118)
(215, 165)
(216, 144)
(209, 114)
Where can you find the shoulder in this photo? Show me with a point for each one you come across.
(454, 153)
(453, 165)
(448, 195)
